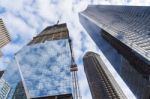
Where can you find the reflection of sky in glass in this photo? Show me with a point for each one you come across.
(95, 32)
(12, 76)
(45, 68)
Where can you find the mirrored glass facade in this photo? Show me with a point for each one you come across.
(122, 35)
(45, 68)
(12, 77)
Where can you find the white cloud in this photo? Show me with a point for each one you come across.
(15, 5)
(83, 83)
(3, 62)
(17, 27)
(11, 48)
(46, 10)
(139, 2)
(41, 13)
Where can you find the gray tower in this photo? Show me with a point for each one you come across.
(101, 81)
(122, 33)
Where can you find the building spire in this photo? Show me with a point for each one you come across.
(57, 22)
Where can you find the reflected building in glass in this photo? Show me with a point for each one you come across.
(122, 34)
(10, 79)
(44, 64)
(19, 92)
(4, 89)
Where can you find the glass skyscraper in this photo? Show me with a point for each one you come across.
(45, 63)
(122, 34)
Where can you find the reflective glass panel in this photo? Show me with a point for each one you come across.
(45, 68)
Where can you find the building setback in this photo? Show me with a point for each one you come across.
(124, 30)
(45, 63)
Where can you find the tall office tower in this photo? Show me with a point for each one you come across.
(45, 64)
(122, 33)
(4, 37)
(19, 92)
(101, 81)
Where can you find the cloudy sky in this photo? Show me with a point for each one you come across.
(24, 19)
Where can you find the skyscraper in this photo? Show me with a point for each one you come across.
(122, 34)
(4, 37)
(45, 63)
(101, 81)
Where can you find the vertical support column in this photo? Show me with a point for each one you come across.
(74, 69)
(76, 89)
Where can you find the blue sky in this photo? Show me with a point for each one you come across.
(24, 19)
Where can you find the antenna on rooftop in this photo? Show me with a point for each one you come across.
(57, 22)
(59, 19)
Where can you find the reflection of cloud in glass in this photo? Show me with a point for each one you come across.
(45, 68)
(12, 76)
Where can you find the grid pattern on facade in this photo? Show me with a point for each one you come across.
(4, 89)
(134, 80)
(4, 37)
(102, 83)
(139, 63)
(129, 24)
